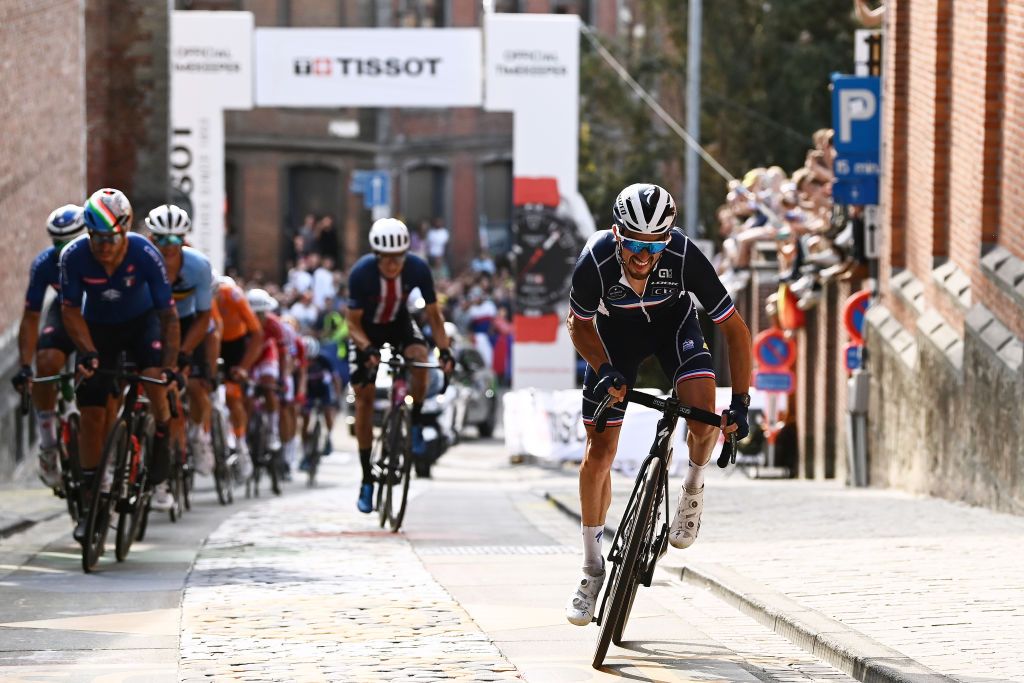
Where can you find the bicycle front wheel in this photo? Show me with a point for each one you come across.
(221, 470)
(102, 504)
(625, 575)
(401, 446)
(383, 457)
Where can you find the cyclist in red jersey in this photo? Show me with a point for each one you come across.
(272, 365)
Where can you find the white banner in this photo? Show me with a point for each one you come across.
(211, 60)
(533, 71)
(211, 70)
(374, 67)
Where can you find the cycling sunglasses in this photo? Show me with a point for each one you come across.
(105, 237)
(168, 240)
(636, 246)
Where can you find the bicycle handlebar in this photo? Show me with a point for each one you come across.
(400, 362)
(665, 405)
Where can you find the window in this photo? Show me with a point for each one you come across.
(425, 194)
(420, 14)
(496, 207)
(314, 190)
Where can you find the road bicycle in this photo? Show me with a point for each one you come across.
(315, 438)
(393, 455)
(68, 421)
(182, 475)
(125, 453)
(639, 542)
(263, 458)
(224, 458)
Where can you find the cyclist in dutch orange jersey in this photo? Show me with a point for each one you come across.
(241, 343)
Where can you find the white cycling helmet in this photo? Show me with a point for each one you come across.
(168, 219)
(312, 345)
(389, 236)
(66, 223)
(260, 301)
(644, 208)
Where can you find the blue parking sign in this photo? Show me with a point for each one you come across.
(856, 115)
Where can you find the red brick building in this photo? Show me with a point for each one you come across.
(85, 106)
(945, 338)
(453, 164)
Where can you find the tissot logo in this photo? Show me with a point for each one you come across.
(371, 66)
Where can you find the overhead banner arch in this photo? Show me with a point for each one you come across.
(530, 67)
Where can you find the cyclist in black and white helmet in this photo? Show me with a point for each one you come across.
(379, 286)
(51, 346)
(633, 296)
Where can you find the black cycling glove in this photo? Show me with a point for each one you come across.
(739, 408)
(609, 378)
(22, 377)
(89, 360)
(370, 352)
(447, 360)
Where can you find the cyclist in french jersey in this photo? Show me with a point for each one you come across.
(273, 364)
(191, 286)
(128, 308)
(633, 296)
(379, 286)
(52, 346)
(240, 347)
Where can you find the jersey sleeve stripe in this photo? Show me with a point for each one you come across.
(695, 374)
(724, 315)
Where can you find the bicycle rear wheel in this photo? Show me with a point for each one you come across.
(71, 469)
(402, 457)
(102, 506)
(313, 451)
(221, 470)
(383, 456)
(622, 587)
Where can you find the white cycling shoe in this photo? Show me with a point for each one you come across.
(163, 499)
(686, 523)
(49, 467)
(580, 608)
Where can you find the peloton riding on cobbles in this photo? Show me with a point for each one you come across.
(379, 286)
(630, 299)
(128, 307)
(52, 347)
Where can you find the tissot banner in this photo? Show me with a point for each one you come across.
(374, 67)
(211, 70)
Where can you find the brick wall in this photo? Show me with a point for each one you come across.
(954, 100)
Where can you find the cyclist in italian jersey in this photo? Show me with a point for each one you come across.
(128, 308)
(191, 285)
(272, 366)
(379, 286)
(52, 346)
(634, 293)
(240, 347)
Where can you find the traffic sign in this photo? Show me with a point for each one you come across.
(776, 382)
(375, 186)
(855, 191)
(856, 115)
(854, 310)
(852, 357)
(773, 350)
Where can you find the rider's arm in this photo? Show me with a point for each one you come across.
(584, 338)
(356, 332)
(204, 302)
(71, 295)
(28, 335)
(436, 320)
(737, 336)
(163, 300)
(584, 301)
(197, 333)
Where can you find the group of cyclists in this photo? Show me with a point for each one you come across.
(156, 299)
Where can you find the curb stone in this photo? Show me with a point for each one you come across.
(844, 648)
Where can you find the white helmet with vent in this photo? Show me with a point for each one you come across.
(389, 236)
(645, 208)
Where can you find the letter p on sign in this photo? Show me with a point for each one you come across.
(855, 104)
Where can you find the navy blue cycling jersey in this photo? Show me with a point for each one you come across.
(139, 284)
(599, 284)
(44, 273)
(381, 299)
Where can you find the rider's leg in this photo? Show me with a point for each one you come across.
(44, 396)
(596, 492)
(700, 441)
(160, 462)
(236, 409)
(364, 426)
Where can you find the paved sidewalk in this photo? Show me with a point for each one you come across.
(305, 590)
(23, 505)
(936, 581)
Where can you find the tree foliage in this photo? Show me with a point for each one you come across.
(765, 74)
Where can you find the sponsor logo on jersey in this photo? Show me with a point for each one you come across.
(616, 292)
(662, 291)
(664, 272)
(129, 281)
(94, 280)
(110, 294)
(688, 345)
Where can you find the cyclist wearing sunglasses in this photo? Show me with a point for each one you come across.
(632, 297)
(191, 285)
(128, 307)
(51, 346)
(379, 287)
